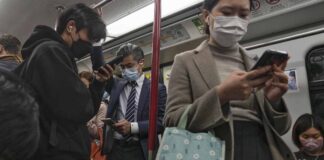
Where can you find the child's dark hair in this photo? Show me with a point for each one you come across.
(303, 123)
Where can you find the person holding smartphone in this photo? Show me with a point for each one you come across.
(127, 118)
(50, 69)
(242, 107)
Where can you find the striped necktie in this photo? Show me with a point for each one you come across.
(131, 103)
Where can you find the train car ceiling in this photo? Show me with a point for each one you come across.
(127, 21)
(143, 16)
(19, 17)
(268, 20)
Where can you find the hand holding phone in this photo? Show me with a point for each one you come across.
(115, 61)
(270, 57)
(109, 122)
(104, 69)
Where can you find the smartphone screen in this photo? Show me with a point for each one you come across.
(270, 57)
(112, 63)
(108, 121)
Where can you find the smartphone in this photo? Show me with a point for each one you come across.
(108, 121)
(112, 63)
(115, 61)
(270, 57)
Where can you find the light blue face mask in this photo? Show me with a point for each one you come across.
(130, 74)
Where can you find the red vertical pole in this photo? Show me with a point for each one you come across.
(155, 78)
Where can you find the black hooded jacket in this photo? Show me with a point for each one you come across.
(64, 101)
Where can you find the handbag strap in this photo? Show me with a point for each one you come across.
(184, 118)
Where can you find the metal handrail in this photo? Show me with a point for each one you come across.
(155, 78)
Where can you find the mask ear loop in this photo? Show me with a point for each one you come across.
(209, 17)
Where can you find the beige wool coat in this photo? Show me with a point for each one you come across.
(193, 80)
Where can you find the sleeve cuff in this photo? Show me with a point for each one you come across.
(134, 128)
(277, 106)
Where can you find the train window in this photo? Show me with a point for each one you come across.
(317, 102)
(316, 65)
(315, 72)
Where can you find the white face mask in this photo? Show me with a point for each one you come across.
(227, 31)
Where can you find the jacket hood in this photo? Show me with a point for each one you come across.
(40, 34)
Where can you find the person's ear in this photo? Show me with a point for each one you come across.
(71, 27)
(141, 62)
(206, 16)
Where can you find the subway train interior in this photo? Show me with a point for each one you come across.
(294, 26)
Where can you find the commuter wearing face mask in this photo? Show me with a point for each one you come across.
(65, 103)
(307, 135)
(244, 108)
(129, 108)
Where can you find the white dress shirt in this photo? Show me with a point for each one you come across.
(121, 110)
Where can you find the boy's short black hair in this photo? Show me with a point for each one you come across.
(19, 128)
(303, 123)
(131, 49)
(10, 43)
(84, 17)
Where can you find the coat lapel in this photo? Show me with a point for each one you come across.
(205, 62)
(143, 99)
(248, 61)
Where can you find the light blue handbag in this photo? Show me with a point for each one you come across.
(179, 144)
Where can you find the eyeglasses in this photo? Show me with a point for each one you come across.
(129, 65)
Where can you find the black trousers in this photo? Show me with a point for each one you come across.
(126, 150)
(250, 141)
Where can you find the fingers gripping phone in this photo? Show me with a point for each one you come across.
(109, 122)
(270, 57)
(113, 62)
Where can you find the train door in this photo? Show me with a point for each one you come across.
(315, 73)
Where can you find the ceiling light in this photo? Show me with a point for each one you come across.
(145, 16)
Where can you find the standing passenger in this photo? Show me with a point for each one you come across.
(129, 106)
(66, 104)
(96, 122)
(215, 80)
(95, 125)
(19, 128)
(9, 52)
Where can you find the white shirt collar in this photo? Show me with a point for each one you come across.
(140, 80)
